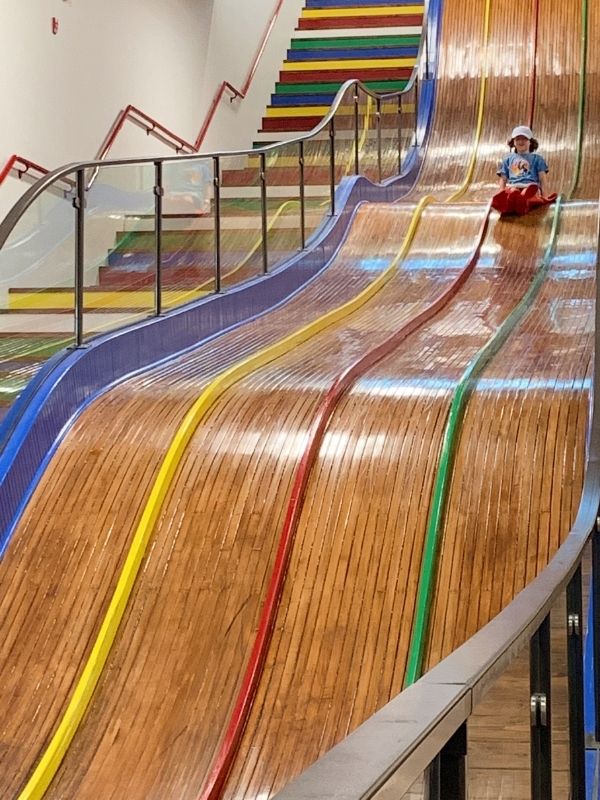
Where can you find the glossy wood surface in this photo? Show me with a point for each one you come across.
(63, 560)
(342, 633)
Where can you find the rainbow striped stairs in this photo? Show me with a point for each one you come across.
(374, 40)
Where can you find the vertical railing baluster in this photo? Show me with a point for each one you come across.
(263, 206)
(399, 134)
(378, 124)
(575, 677)
(540, 712)
(446, 777)
(356, 133)
(332, 164)
(416, 111)
(217, 200)
(79, 205)
(158, 220)
(596, 616)
(426, 48)
(302, 195)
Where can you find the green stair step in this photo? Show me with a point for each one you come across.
(328, 88)
(355, 41)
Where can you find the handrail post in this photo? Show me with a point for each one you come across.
(575, 676)
(302, 195)
(378, 123)
(79, 205)
(217, 193)
(158, 220)
(332, 164)
(263, 205)
(416, 111)
(399, 134)
(447, 775)
(356, 137)
(596, 628)
(540, 712)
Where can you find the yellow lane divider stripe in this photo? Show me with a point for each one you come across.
(67, 728)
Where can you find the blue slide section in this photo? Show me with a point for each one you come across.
(68, 382)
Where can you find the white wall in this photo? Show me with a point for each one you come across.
(60, 94)
(237, 28)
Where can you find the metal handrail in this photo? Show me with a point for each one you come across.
(152, 126)
(24, 202)
(395, 746)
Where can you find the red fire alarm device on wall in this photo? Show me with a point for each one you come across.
(55, 25)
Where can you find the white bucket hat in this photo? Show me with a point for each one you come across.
(522, 130)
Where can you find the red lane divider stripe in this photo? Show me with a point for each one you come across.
(239, 717)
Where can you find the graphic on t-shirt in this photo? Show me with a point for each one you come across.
(519, 168)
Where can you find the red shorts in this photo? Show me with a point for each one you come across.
(517, 200)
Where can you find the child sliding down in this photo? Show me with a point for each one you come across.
(522, 176)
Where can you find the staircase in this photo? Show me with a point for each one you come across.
(335, 40)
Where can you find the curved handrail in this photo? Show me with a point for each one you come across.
(430, 711)
(29, 197)
(24, 166)
(155, 128)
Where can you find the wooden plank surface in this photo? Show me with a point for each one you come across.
(342, 632)
(62, 562)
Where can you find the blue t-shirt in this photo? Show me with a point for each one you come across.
(521, 169)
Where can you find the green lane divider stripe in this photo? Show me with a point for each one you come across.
(358, 41)
(444, 470)
(328, 88)
(582, 91)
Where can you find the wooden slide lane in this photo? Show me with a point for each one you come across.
(457, 91)
(519, 464)
(61, 565)
(341, 650)
(590, 167)
(523, 428)
(188, 631)
(343, 630)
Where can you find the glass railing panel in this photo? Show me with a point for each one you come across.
(391, 137)
(367, 136)
(241, 219)
(188, 231)
(418, 790)
(36, 292)
(498, 736)
(119, 257)
(284, 237)
(345, 136)
(408, 122)
(317, 159)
